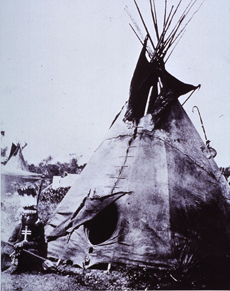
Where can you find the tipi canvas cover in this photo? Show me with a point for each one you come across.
(63, 181)
(137, 193)
(151, 188)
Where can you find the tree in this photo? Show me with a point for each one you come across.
(3, 155)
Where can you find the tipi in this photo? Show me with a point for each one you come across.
(16, 170)
(151, 189)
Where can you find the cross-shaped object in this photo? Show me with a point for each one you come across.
(26, 232)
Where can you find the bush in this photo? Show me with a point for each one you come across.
(54, 196)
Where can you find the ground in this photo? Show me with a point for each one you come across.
(82, 280)
(88, 280)
(123, 278)
(33, 282)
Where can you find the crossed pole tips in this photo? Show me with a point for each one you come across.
(167, 37)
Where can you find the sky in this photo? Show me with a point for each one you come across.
(66, 67)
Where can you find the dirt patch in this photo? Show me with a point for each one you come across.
(38, 282)
(87, 280)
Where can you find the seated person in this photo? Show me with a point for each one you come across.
(27, 235)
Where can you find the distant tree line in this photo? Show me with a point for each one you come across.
(3, 155)
(49, 169)
(226, 172)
